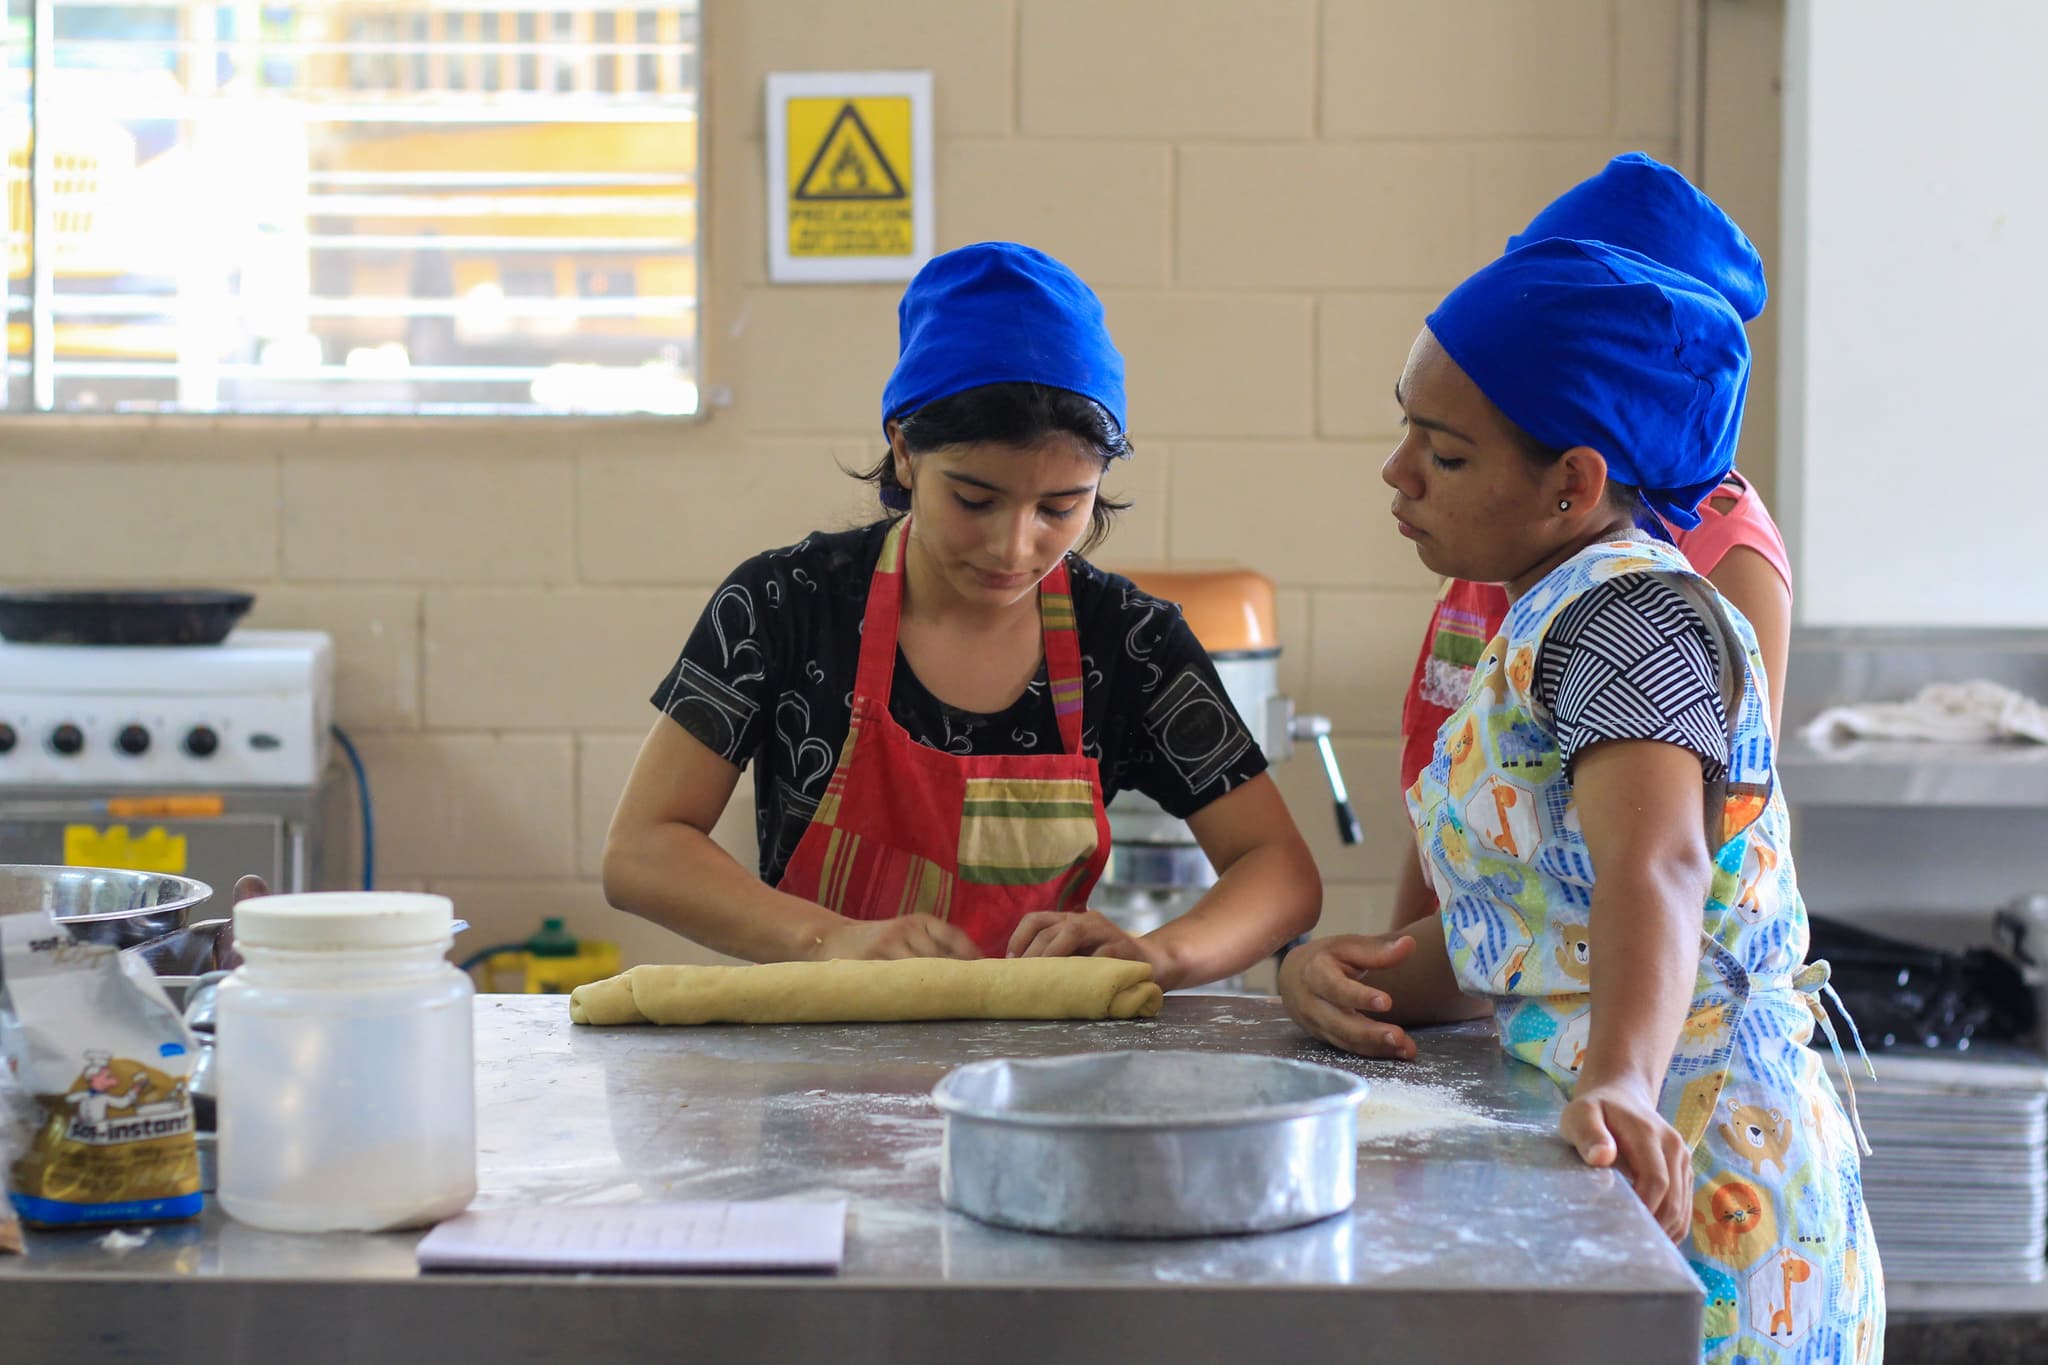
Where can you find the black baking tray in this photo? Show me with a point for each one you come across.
(115, 616)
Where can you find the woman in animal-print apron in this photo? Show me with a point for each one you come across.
(1600, 819)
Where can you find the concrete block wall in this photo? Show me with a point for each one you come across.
(1268, 194)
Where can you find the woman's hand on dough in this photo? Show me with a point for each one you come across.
(903, 936)
(1320, 986)
(1086, 933)
(1617, 1124)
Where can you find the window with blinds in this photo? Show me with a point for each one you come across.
(357, 206)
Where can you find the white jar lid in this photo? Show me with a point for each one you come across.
(319, 920)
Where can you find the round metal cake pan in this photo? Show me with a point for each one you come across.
(1149, 1144)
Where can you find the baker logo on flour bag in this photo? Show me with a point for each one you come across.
(90, 1036)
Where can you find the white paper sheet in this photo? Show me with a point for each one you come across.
(678, 1237)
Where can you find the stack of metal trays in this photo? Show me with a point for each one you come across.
(1957, 1178)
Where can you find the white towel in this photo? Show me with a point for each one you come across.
(1976, 712)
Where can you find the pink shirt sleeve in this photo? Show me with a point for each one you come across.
(1747, 524)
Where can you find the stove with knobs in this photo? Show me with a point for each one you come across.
(90, 732)
(252, 711)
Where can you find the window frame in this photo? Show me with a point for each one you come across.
(43, 416)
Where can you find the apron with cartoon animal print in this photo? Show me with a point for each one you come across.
(1780, 1239)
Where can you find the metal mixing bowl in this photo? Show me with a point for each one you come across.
(102, 904)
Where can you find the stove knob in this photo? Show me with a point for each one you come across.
(7, 738)
(67, 740)
(202, 741)
(132, 741)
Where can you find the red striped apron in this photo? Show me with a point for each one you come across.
(979, 841)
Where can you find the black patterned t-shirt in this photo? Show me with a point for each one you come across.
(1634, 659)
(766, 679)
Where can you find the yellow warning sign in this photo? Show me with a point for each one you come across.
(850, 177)
(157, 851)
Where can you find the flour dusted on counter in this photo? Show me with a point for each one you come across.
(1398, 1109)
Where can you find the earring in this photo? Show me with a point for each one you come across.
(1563, 505)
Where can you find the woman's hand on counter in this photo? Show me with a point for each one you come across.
(1617, 1124)
(903, 936)
(1089, 933)
(1321, 987)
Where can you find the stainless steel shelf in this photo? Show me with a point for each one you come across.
(1896, 773)
(1917, 1298)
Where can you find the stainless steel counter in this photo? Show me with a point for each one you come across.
(1464, 1245)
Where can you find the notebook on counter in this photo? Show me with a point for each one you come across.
(677, 1238)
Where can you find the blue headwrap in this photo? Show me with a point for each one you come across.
(1642, 205)
(1001, 313)
(1582, 344)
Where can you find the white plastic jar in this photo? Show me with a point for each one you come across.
(344, 1065)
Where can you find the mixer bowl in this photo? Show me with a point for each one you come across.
(102, 904)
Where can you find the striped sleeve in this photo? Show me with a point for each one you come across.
(1633, 659)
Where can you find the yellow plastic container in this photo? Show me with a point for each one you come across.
(546, 975)
(552, 962)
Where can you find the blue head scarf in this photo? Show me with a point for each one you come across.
(1642, 205)
(1583, 344)
(1001, 313)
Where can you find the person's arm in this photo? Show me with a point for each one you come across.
(1641, 806)
(1362, 992)
(1267, 893)
(1414, 901)
(1267, 890)
(1760, 593)
(1641, 723)
(660, 863)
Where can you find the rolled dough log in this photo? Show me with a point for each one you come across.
(872, 992)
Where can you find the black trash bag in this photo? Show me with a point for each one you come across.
(1905, 994)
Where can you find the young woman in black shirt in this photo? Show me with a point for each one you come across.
(937, 706)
